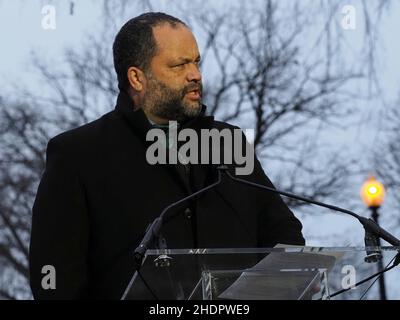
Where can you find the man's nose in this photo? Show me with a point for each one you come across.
(194, 73)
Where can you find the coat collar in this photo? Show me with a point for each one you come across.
(139, 123)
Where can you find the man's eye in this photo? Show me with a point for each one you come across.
(181, 65)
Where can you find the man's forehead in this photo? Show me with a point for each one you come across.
(174, 38)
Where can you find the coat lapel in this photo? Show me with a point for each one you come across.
(139, 125)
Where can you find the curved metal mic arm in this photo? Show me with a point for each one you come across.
(369, 225)
(153, 231)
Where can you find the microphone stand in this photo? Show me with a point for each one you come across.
(372, 230)
(153, 231)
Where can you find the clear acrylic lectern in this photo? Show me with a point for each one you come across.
(280, 273)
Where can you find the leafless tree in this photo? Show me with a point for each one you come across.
(387, 158)
(22, 139)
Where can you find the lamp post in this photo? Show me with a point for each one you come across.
(373, 193)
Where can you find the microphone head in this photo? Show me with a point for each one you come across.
(372, 245)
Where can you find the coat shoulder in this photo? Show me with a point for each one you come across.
(85, 140)
(223, 125)
(85, 135)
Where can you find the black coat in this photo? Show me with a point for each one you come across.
(98, 194)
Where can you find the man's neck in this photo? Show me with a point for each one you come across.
(155, 120)
(157, 124)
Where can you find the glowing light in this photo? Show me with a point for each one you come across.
(372, 192)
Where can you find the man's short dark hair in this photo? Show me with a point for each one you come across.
(135, 44)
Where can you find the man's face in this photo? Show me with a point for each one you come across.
(173, 90)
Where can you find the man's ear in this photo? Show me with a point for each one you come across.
(136, 78)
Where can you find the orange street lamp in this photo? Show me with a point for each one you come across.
(373, 194)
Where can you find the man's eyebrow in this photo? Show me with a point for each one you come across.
(186, 60)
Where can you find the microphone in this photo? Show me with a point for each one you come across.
(371, 241)
(153, 231)
(372, 229)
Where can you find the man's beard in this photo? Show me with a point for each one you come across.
(167, 103)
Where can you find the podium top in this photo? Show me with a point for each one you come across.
(202, 251)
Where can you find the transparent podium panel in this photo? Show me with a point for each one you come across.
(280, 273)
(263, 285)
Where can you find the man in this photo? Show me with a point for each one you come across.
(98, 192)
